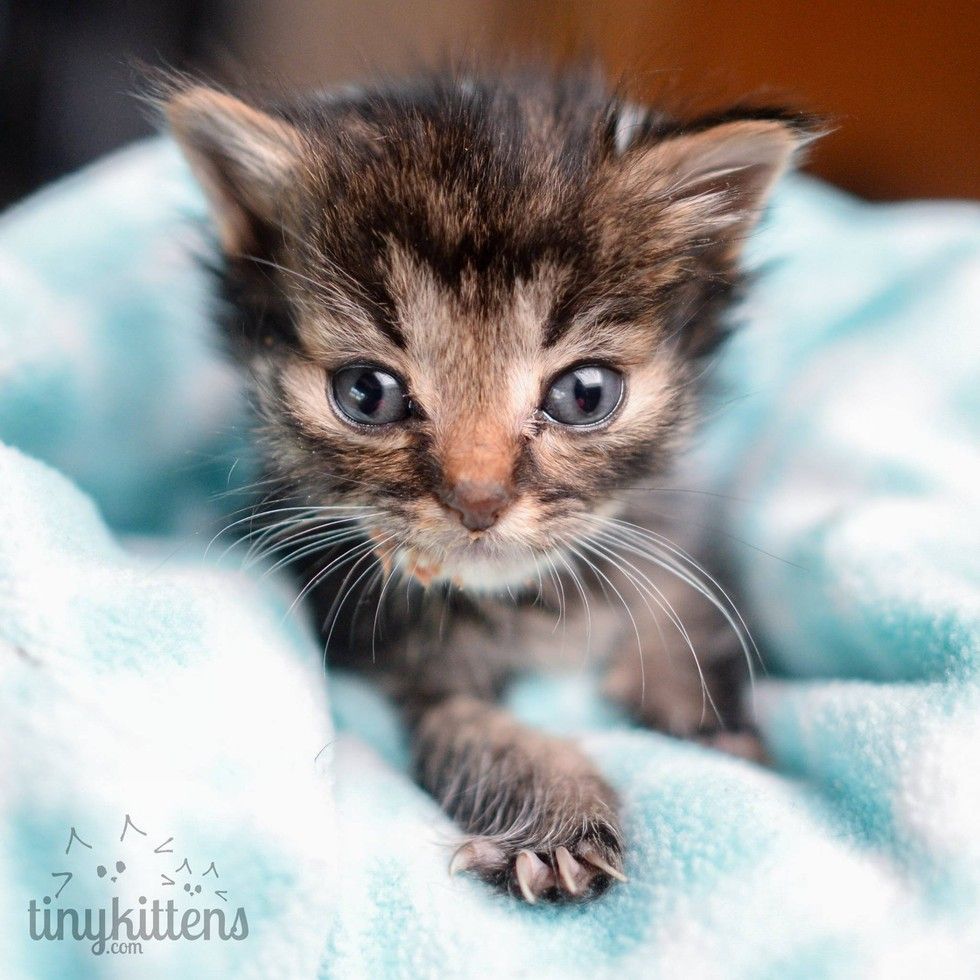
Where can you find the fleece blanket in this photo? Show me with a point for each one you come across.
(185, 792)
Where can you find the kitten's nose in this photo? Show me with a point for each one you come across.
(478, 503)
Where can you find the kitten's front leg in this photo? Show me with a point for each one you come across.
(544, 823)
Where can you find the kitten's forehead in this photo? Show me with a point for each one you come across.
(449, 280)
(481, 342)
(485, 330)
(483, 315)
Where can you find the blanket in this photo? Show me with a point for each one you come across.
(184, 791)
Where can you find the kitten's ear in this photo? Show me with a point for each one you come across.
(244, 159)
(718, 177)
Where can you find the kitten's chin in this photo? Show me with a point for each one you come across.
(473, 569)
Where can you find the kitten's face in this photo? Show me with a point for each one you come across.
(481, 318)
(481, 440)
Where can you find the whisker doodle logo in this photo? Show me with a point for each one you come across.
(128, 918)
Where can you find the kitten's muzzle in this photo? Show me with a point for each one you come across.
(478, 503)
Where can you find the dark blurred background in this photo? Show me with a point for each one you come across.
(898, 79)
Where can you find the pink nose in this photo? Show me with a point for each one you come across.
(478, 504)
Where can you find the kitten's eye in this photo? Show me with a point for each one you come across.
(369, 395)
(584, 396)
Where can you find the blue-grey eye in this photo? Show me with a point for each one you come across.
(584, 396)
(370, 395)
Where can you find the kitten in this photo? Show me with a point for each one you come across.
(474, 311)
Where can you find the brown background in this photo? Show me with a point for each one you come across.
(898, 80)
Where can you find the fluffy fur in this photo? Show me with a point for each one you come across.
(476, 237)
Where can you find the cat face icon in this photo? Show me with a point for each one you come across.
(102, 871)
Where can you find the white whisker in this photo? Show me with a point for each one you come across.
(629, 612)
(642, 541)
(334, 614)
(668, 609)
(367, 547)
(582, 593)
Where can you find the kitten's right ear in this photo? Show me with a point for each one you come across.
(245, 159)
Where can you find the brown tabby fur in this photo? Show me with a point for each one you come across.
(477, 236)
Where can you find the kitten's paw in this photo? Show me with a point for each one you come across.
(581, 869)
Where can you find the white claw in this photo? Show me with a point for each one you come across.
(462, 859)
(533, 875)
(524, 866)
(596, 860)
(478, 851)
(568, 869)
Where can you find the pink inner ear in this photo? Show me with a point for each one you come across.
(725, 172)
(742, 160)
(243, 158)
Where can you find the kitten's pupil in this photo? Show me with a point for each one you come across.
(367, 392)
(588, 392)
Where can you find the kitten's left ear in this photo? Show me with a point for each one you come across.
(245, 159)
(719, 177)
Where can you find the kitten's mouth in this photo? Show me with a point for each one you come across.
(411, 561)
(477, 567)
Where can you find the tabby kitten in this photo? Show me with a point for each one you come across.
(474, 312)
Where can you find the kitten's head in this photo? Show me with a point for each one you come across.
(475, 307)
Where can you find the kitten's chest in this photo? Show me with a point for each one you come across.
(559, 627)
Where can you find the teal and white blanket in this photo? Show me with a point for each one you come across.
(170, 740)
